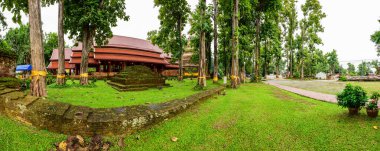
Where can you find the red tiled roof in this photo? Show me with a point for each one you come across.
(79, 55)
(172, 66)
(119, 48)
(79, 60)
(131, 43)
(54, 55)
(129, 58)
(54, 65)
(126, 51)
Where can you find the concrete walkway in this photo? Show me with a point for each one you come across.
(310, 94)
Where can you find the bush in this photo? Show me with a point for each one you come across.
(93, 80)
(342, 78)
(10, 82)
(352, 97)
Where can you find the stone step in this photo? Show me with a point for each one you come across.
(15, 95)
(6, 90)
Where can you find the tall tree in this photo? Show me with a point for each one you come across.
(261, 7)
(310, 26)
(59, 41)
(375, 37)
(201, 38)
(216, 63)
(61, 45)
(351, 69)
(89, 20)
(202, 50)
(173, 16)
(235, 51)
(376, 64)
(225, 29)
(332, 59)
(364, 68)
(289, 26)
(38, 83)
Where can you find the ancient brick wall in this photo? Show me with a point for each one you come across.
(72, 120)
(7, 66)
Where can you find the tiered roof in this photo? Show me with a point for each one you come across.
(120, 48)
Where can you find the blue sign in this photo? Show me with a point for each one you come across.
(27, 67)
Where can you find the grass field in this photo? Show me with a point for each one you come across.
(254, 117)
(328, 86)
(104, 96)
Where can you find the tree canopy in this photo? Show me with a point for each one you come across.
(97, 15)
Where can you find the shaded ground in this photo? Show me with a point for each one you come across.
(254, 117)
(104, 96)
(327, 86)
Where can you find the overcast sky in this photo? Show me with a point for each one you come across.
(348, 25)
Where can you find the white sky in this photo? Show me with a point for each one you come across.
(348, 25)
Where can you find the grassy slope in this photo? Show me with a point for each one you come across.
(15, 136)
(329, 87)
(104, 96)
(255, 116)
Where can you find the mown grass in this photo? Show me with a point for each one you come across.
(104, 96)
(15, 136)
(253, 117)
(328, 86)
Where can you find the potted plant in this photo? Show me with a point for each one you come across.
(353, 98)
(372, 108)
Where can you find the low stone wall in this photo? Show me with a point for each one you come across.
(72, 120)
(363, 78)
(7, 66)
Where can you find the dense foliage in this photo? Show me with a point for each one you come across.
(352, 97)
(18, 41)
(375, 37)
(50, 43)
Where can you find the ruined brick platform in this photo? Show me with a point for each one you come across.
(79, 120)
(135, 78)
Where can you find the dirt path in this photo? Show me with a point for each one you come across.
(310, 94)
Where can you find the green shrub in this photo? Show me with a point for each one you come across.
(10, 82)
(93, 80)
(342, 78)
(352, 97)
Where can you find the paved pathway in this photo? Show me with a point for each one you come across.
(310, 94)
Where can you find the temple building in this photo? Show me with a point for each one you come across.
(109, 59)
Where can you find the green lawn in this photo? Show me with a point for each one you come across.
(328, 86)
(104, 96)
(254, 117)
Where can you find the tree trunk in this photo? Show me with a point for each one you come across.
(225, 58)
(179, 39)
(257, 48)
(209, 58)
(61, 46)
(38, 83)
(85, 51)
(277, 70)
(216, 63)
(202, 53)
(235, 51)
(265, 72)
(302, 74)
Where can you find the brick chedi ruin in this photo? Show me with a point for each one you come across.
(135, 78)
(115, 57)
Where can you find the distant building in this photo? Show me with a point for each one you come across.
(321, 76)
